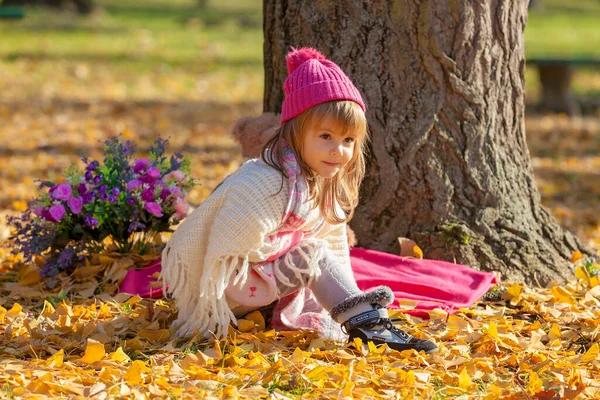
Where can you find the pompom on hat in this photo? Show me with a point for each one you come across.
(313, 79)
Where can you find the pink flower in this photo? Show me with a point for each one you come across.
(176, 192)
(154, 209)
(176, 175)
(154, 173)
(57, 211)
(75, 204)
(181, 209)
(62, 192)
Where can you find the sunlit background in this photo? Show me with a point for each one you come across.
(186, 69)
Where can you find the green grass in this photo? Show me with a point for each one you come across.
(160, 41)
(175, 44)
(141, 36)
(564, 29)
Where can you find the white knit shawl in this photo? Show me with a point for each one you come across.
(228, 231)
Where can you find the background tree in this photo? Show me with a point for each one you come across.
(443, 84)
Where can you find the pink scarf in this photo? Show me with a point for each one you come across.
(260, 288)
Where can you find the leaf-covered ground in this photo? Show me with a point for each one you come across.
(532, 343)
(144, 72)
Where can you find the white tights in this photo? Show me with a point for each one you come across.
(335, 283)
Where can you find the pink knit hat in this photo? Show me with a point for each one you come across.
(313, 80)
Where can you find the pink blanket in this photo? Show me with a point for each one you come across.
(434, 284)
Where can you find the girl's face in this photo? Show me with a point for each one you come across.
(326, 150)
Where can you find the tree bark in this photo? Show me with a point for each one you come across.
(443, 84)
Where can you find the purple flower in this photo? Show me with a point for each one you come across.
(134, 185)
(87, 198)
(102, 189)
(130, 201)
(141, 165)
(154, 209)
(57, 211)
(46, 215)
(112, 198)
(146, 179)
(154, 173)
(89, 176)
(82, 188)
(148, 195)
(75, 204)
(164, 194)
(103, 196)
(116, 192)
(62, 192)
(92, 166)
(136, 226)
(39, 211)
(90, 221)
(98, 179)
(128, 147)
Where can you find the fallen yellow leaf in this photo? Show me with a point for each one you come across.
(493, 330)
(15, 310)
(515, 291)
(31, 275)
(48, 309)
(258, 319)
(535, 383)
(561, 295)
(348, 388)
(555, 332)
(464, 381)
(119, 356)
(108, 374)
(94, 351)
(417, 252)
(56, 360)
(576, 256)
(581, 273)
(591, 354)
(407, 304)
(133, 376)
(244, 325)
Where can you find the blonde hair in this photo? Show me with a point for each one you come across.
(343, 187)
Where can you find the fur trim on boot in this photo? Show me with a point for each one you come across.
(382, 295)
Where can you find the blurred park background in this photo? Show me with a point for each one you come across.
(78, 72)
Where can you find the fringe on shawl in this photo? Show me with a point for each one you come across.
(204, 310)
(311, 252)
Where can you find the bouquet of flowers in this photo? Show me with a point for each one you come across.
(125, 201)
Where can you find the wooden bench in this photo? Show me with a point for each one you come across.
(555, 77)
(11, 12)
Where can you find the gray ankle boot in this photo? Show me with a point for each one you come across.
(364, 316)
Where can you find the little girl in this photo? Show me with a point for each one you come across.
(278, 224)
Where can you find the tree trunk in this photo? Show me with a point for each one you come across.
(555, 78)
(443, 84)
